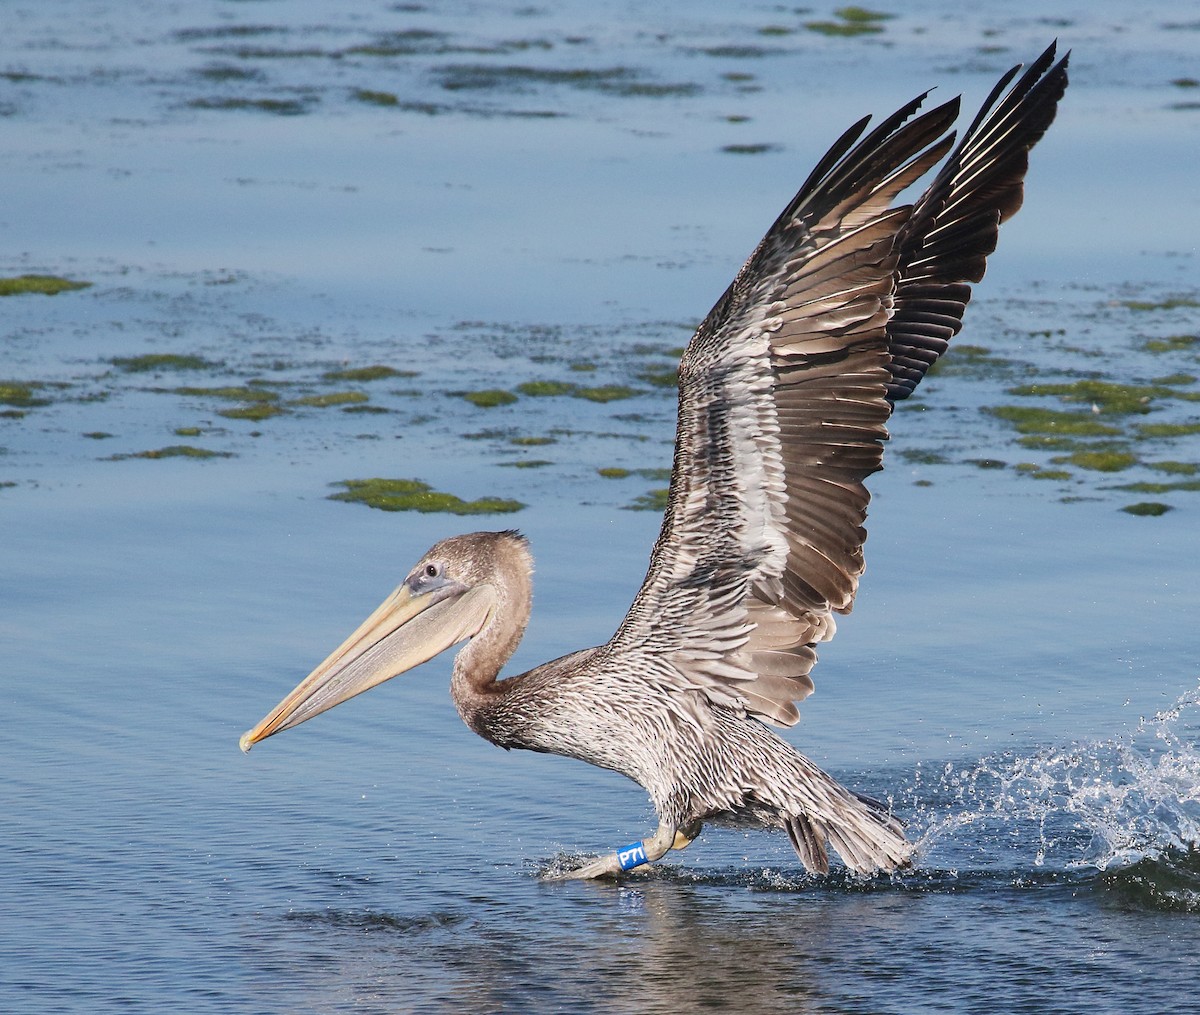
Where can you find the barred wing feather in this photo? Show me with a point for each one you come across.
(786, 387)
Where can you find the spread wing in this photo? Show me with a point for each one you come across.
(786, 387)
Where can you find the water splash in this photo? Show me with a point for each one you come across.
(1119, 815)
(1128, 807)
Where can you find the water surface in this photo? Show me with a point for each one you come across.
(557, 193)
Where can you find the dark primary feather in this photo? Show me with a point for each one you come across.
(956, 222)
(786, 387)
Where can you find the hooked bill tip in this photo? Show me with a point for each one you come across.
(245, 743)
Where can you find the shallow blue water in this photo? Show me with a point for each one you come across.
(1020, 674)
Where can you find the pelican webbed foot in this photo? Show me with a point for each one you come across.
(634, 855)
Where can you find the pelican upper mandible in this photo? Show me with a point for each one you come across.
(784, 393)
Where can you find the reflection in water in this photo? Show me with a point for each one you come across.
(672, 944)
(669, 944)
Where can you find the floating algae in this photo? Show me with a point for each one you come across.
(273, 52)
(1094, 429)
(413, 495)
(1040, 472)
(279, 107)
(617, 472)
(922, 456)
(162, 361)
(851, 21)
(1145, 486)
(546, 389)
(247, 393)
(1036, 420)
(256, 411)
(1167, 429)
(330, 398)
(976, 362)
(1171, 303)
(621, 81)
(490, 434)
(489, 398)
(222, 72)
(262, 402)
(373, 98)
(1177, 468)
(226, 32)
(661, 377)
(20, 394)
(47, 285)
(605, 393)
(174, 451)
(371, 373)
(1149, 508)
(1172, 343)
(600, 393)
(409, 42)
(749, 149)
(1098, 460)
(1108, 396)
(655, 500)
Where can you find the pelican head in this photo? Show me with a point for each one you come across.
(448, 597)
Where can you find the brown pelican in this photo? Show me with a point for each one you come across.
(784, 392)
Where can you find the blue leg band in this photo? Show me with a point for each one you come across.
(632, 856)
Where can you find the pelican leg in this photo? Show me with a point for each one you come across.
(626, 858)
(634, 855)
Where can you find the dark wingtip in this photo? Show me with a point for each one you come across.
(955, 224)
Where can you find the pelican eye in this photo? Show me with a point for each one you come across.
(426, 577)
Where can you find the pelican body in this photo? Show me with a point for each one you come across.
(784, 394)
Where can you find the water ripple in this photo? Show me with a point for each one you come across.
(368, 921)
